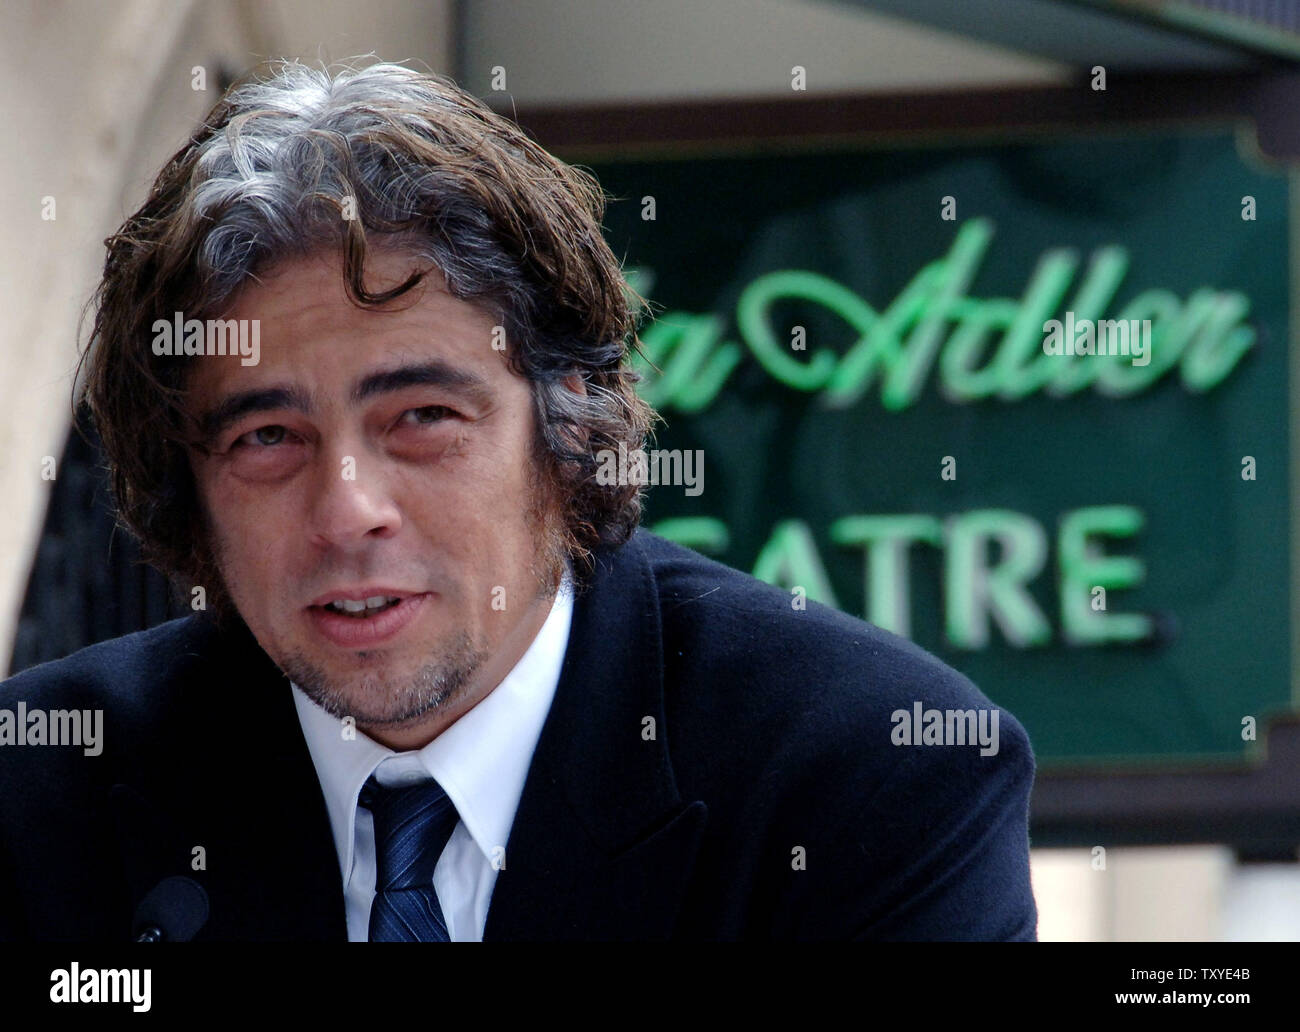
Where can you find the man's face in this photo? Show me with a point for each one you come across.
(378, 457)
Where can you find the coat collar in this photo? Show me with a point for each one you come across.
(602, 844)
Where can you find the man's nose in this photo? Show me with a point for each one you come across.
(350, 502)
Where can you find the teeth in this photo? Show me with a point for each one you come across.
(358, 606)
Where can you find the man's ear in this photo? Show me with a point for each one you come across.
(576, 383)
(579, 434)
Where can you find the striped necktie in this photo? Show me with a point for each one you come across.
(412, 825)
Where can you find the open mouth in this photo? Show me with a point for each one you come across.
(368, 621)
(362, 609)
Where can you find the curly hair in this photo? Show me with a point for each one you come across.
(305, 160)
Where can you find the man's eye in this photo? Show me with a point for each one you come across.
(265, 436)
(426, 414)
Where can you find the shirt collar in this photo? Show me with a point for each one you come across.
(481, 761)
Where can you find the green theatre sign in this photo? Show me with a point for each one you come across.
(685, 363)
(927, 422)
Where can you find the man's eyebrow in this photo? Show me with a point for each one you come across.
(242, 403)
(424, 374)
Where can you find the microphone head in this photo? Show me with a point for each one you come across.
(176, 905)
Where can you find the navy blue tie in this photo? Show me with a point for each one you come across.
(412, 825)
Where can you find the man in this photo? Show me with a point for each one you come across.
(438, 685)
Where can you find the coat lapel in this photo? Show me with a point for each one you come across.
(602, 845)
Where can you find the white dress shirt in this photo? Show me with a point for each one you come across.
(481, 762)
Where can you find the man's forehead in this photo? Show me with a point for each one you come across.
(308, 327)
(312, 288)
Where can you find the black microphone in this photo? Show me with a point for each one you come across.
(173, 911)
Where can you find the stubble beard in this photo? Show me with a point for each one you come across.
(381, 701)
